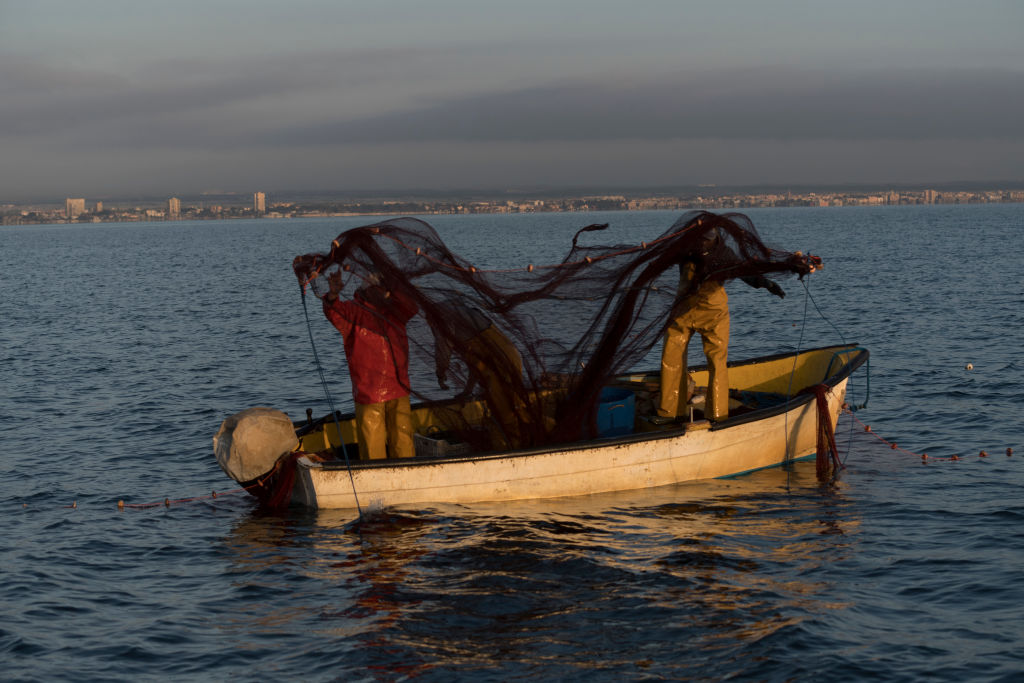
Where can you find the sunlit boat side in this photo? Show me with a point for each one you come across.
(773, 420)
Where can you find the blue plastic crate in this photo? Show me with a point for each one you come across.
(615, 412)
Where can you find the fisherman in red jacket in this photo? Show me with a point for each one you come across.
(372, 324)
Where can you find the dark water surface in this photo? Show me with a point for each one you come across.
(122, 347)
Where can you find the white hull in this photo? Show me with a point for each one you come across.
(632, 462)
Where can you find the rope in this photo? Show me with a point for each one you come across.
(826, 452)
(589, 260)
(867, 370)
(840, 463)
(330, 401)
(167, 502)
(842, 338)
(796, 356)
(924, 456)
(531, 267)
(260, 483)
(823, 316)
(792, 374)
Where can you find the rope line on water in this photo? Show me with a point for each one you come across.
(642, 246)
(167, 502)
(923, 456)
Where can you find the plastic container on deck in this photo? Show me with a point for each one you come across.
(438, 444)
(615, 412)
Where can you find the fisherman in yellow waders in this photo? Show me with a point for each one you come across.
(705, 311)
(492, 360)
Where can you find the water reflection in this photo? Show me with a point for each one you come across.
(342, 582)
(720, 564)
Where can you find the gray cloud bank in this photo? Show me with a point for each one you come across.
(302, 104)
(367, 117)
(745, 105)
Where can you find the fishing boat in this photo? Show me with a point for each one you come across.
(779, 407)
(564, 388)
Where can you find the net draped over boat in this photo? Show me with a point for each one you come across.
(574, 325)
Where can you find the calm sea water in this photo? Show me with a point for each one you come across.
(122, 347)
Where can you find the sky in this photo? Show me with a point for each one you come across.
(135, 97)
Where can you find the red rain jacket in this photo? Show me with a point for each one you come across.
(376, 345)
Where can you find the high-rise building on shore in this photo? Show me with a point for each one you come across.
(74, 207)
(259, 203)
(174, 208)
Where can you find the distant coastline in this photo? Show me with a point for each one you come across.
(305, 205)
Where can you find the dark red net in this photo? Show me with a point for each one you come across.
(575, 325)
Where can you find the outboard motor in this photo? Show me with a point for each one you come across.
(249, 444)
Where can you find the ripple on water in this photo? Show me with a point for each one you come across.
(900, 571)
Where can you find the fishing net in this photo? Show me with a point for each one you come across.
(536, 344)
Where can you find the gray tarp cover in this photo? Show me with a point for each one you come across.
(249, 444)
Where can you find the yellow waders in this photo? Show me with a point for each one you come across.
(380, 426)
(707, 312)
(482, 355)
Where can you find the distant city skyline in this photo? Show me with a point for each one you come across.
(77, 210)
(110, 97)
